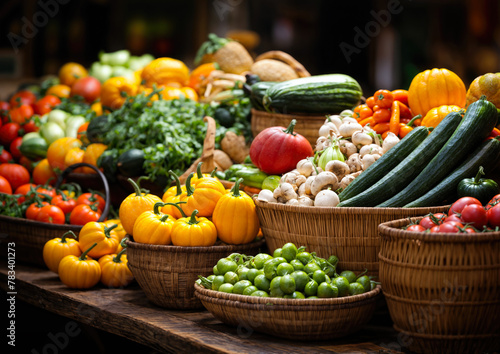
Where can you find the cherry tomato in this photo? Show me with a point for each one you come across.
(370, 102)
(416, 228)
(22, 97)
(475, 215)
(82, 214)
(51, 214)
(383, 98)
(21, 114)
(8, 132)
(451, 227)
(362, 112)
(90, 198)
(14, 147)
(457, 206)
(493, 215)
(46, 104)
(5, 156)
(5, 186)
(382, 115)
(87, 87)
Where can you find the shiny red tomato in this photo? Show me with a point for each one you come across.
(494, 201)
(14, 173)
(91, 198)
(14, 148)
(493, 215)
(51, 214)
(82, 214)
(475, 215)
(4, 111)
(22, 97)
(383, 98)
(87, 87)
(435, 229)
(416, 228)
(453, 217)
(5, 186)
(64, 202)
(432, 220)
(46, 104)
(8, 132)
(458, 205)
(21, 114)
(30, 126)
(33, 210)
(451, 227)
(5, 156)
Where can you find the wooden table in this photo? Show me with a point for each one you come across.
(127, 313)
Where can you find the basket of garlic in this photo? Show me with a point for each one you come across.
(303, 208)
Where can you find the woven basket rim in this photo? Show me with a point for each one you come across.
(311, 304)
(338, 210)
(446, 336)
(201, 249)
(256, 112)
(391, 229)
(32, 223)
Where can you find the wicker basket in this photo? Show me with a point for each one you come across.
(29, 236)
(349, 233)
(442, 290)
(295, 319)
(307, 125)
(166, 274)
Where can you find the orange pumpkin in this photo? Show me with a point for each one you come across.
(92, 153)
(436, 115)
(487, 85)
(164, 71)
(115, 90)
(434, 88)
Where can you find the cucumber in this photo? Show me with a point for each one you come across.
(130, 163)
(320, 94)
(397, 178)
(478, 122)
(257, 92)
(487, 152)
(385, 163)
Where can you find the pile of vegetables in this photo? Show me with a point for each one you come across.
(291, 273)
(119, 63)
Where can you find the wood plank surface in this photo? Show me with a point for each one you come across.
(127, 313)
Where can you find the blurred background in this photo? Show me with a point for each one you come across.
(381, 43)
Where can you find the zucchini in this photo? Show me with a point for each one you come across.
(320, 94)
(257, 92)
(397, 178)
(385, 163)
(478, 122)
(130, 163)
(487, 152)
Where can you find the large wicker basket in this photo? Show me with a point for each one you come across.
(167, 273)
(27, 237)
(442, 290)
(349, 233)
(295, 319)
(307, 125)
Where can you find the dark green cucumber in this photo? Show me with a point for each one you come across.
(478, 122)
(257, 92)
(385, 163)
(487, 153)
(397, 178)
(320, 94)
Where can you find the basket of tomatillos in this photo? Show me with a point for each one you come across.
(291, 294)
(439, 274)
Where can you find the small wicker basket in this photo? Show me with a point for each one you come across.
(307, 125)
(27, 237)
(349, 233)
(167, 273)
(295, 319)
(442, 290)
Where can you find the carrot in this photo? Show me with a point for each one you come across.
(494, 133)
(366, 121)
(395, 118)
(251, 190)
(401, 96)
(381, 127)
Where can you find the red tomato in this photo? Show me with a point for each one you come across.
(87, 87)
(494, 201)
(276, 150)
(383, 98)
(14, 147)
(82, 214)
(91, 198)
(30, 126)
(474, 215)
(14, 173)
(4, 111)
(435, 229)
(21, 114)
(5, 186)
(453, 217)
(66, 204)
(51, 214)
(22, 97)
(432, 220)
(493, 215)
(23, 190)
(416, 228)
(457, 206)
(451, 227)
(8, 132)
(33, 210)
(5, 156)
(46, 104)
(470, 230)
